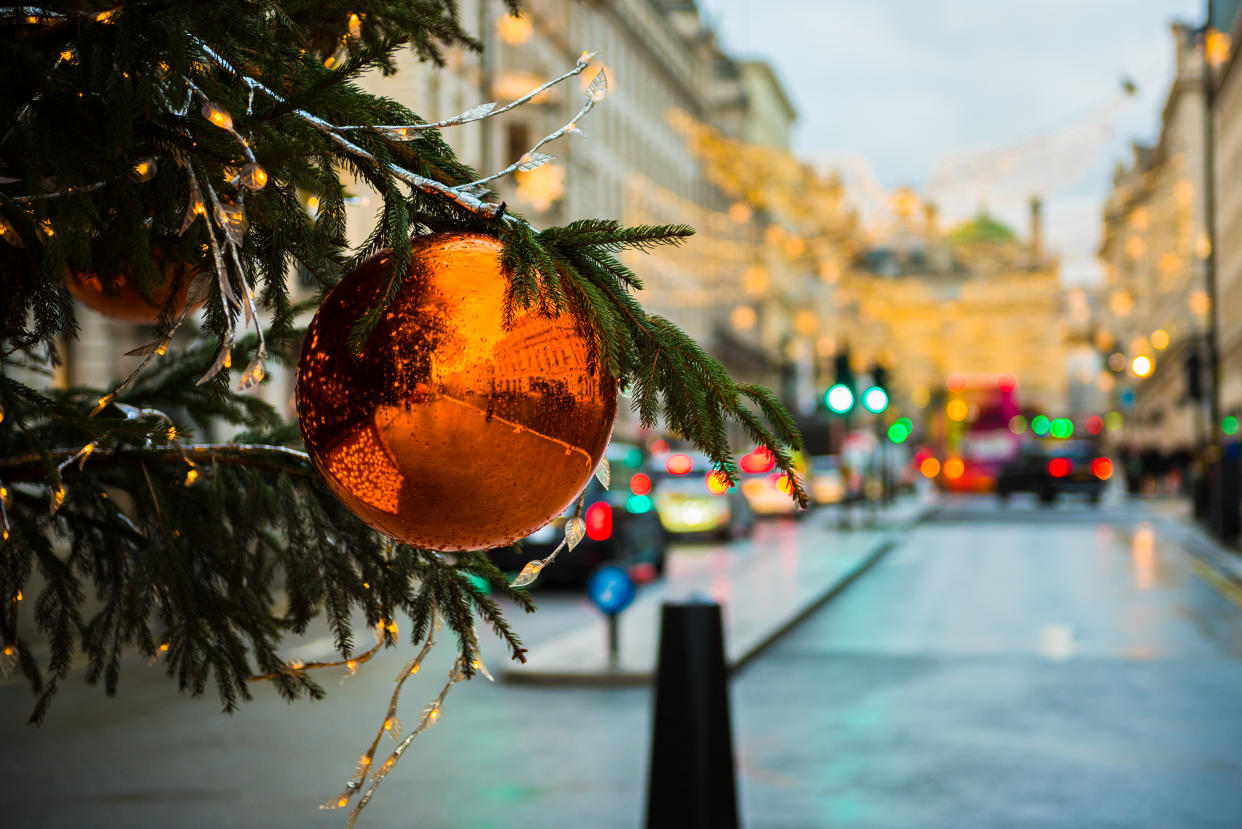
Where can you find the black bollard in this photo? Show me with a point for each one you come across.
(692, 784)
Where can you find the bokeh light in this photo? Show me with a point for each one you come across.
(1017, 425)
(930, 467)
(954, 468)
(875, 400)
(1041, 425)
(839, 398)
(957, 410)
(898, 432)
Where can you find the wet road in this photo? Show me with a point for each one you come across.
(1028, 668)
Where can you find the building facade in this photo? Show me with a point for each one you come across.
(1153, 249)
(1227, 127)
(973, 301)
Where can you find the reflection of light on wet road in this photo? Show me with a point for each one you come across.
(1143, 556)
(1056, 642)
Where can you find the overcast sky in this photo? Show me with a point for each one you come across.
(905, 83)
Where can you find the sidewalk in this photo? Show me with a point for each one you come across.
(1224, 560)
(763, 591)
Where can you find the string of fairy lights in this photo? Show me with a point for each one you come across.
(225, 219)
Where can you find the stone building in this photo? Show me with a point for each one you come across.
(1227, 123)
(1153, 242)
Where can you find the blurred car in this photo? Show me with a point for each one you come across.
(691, 498)
(826, 480)
(621, 528)
(766, 488)
(1052, 469)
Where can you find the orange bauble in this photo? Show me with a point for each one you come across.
(450, 431)
(121, 299)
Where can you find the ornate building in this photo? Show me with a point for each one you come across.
(974, 301)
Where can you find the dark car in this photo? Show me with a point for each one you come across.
(1052, 469)
(621, 528)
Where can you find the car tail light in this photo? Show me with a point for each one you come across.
(758, 461)
(599, 521)
(679, 464)
(1060, 467)
(1102, 468)
(640, 484)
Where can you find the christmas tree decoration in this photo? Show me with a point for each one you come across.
(438, 430)
(455, 390)
(122, 300)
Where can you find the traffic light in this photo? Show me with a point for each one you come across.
(845, 374)
(875, 399)
(1194, 376)
(840, 396)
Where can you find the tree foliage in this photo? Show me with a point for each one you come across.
(204, 553)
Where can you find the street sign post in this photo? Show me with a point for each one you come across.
(611, 590)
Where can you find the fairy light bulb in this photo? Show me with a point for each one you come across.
(102, 403)
(253, 177)
(9, 234)
(191, 476)
(355, 26)
(144, 170)
(217, 115)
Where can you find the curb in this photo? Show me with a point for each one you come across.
(1202, 546)
(887, 540)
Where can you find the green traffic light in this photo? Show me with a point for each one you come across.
(1062, 428)
(875, 400)
(1229, 425)
(1041, 425)
(839, 398)
(898, 432)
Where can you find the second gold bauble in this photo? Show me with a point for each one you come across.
(451, 431)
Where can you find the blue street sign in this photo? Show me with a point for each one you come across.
(611, 589)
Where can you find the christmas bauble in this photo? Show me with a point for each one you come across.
(124, 301)
(451, 431)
